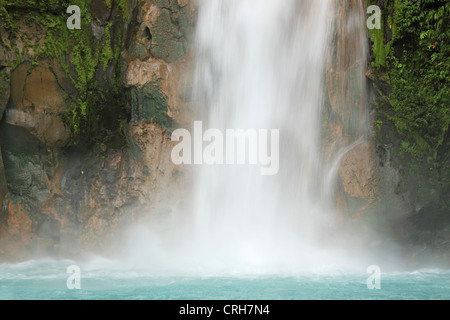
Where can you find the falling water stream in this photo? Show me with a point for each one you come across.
(261, 67)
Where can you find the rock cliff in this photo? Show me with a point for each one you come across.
(85, 132)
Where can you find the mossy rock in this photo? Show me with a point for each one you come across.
(149, 104)
(26, 175)
(168, 39)
(37, 5)
(170, 32)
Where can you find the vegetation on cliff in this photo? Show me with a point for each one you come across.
(92, 61)
(411, 63)
(416, 60)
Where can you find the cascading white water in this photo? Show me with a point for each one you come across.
(260, 66)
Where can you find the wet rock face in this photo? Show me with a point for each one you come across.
(37, 102)
(5, 57)
(100, 11)
(159, 91)
(357, 171)
(30, 131)
(159, 66)
(346, 120)
(84, 202)
(61, 199)
(15, 233)
(3, 183)
(130, 186)
(162, 29)
(4, 96)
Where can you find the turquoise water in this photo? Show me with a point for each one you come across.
(46, 279)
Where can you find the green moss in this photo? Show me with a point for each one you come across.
(123, 6)
(415, 62)
(107, 54)
(380, 50)
(379, 125)
(37, 5)
(420, 74)
(412, 47)
(380, 38)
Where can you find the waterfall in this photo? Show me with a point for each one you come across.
(260, 65)
(263, 66)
